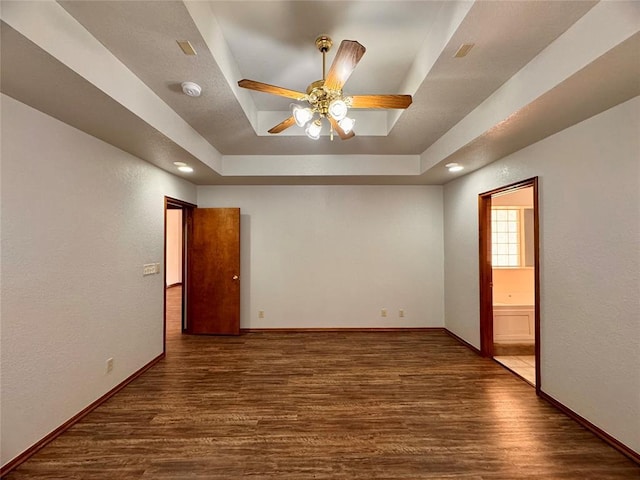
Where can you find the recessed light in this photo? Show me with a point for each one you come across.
(454, 167)
(185, 169)
(180, 164)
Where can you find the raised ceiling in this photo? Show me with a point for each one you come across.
(114, 68)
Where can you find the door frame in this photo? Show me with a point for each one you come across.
(486, 269)
(186, 208)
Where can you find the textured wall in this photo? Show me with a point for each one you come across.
(334, 256)
(79, 220)
(589, 197)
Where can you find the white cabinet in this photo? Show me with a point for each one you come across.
(513, 324)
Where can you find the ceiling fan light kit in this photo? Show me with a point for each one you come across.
(300, 114)
(325, 97)
(313, 129)
(338, 109)
(346, 124)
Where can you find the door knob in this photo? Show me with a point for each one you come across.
(235, 277)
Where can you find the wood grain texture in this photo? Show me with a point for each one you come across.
(272, 89)
(326, 405)
(213, 269)
(283, 125)
(381, 101)
(486, 275)
(345, 61)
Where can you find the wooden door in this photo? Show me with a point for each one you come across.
(213, 271)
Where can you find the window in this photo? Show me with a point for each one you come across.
(506, 236)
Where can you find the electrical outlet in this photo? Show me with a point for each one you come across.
(401, 313)
(148, 269)
(260, 313)
(109, 365)
(383, 312)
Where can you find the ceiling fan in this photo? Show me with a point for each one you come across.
(325, 97)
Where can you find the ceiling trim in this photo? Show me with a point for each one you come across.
(55, 31)
(545, 95)
(449, 18)
(325, 165)
(208, 26)
(570, 53)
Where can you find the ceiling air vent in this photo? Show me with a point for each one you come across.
(463, 50)
(186, 47)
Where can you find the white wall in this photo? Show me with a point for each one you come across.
(589, 197)
(79, 220)
(174, 247)
(334, 256)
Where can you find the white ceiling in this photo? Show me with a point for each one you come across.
(282, 50)
(113, 69)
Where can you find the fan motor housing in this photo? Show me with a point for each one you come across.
(316, 89)
(320, 98)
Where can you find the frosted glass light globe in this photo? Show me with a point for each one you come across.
(338, 109)
(313, 130)
(346, 124)
(300, 114)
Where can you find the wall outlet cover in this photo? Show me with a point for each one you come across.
(148, 269)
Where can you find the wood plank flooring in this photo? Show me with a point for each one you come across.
(353, 405)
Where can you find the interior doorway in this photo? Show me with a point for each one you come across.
(509, 278)
(176, 213)
(202, 271)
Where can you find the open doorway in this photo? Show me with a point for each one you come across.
(509, 278)
(202, 271)
(175, 231)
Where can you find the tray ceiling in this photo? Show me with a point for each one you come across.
(114, 69)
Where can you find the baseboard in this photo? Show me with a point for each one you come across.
(463, 342)
(339, 329)
(513, 349)
(178, 284)
(598, 432)
(24, 456)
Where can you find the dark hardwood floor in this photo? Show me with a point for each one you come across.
(353, 405)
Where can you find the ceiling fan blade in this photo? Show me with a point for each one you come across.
(283, 125)
(339, 130)
(380, 101)
(266, 88)
(348, 56)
